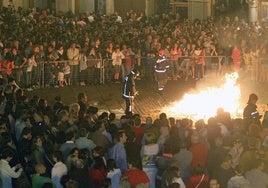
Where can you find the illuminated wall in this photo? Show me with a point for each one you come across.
(200, 9)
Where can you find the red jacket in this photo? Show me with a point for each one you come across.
(201, 180)
(200, 153)
(136, 176)
(98, 176)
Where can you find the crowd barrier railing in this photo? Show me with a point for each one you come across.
(213, 63)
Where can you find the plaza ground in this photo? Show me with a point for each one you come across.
(149, 102)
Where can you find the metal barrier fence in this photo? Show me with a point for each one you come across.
(101, 70)
(104, 67)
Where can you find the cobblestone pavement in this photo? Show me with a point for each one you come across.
(149, 102)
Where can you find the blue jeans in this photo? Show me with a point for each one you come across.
(151, 171)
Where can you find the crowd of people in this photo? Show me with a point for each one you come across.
(44, 48)
(72, 145)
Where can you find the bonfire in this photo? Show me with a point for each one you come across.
(203, 103)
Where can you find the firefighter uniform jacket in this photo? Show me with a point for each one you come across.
(161, 65)
(129, 87)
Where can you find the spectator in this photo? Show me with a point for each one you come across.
(38, 180)
(66, 147)
(72, 157)
(148, 154)
(66, 69)
(138, 130)
(59, 169)
(6, 171)
(98, 172)
(79, 173)
(74, 110)
(73, 57)
(31, 63)
(54, 32)
(83, 142)
(236, 151)
(199, 151)
(117, 57)
(38, 150)
(171, 176)
(24, 146)
(99, 138)
(256, 176)
(213, 183)
(134, 176)
(216, 155)
(238, 180)
(224, 172)
(199, 178)
(82, 101)
(113, 173)
(82, 68)
(133, 148)
(184, 158)
(118, 152)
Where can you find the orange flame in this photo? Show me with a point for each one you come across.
(204, 104)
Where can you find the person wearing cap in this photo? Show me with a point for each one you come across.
(129, 90)
(160, 68)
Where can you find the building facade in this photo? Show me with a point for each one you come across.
(262, 10)
(257, 9)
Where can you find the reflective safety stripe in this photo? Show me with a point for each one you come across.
(161, 60)
(253, 113)
(125, 89)
(127, 96)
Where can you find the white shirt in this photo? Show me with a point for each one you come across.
(58, 170)
(6, 173)
(179, 181)
(117, 58)
(115, 176)
(84, 142)
(31, 63)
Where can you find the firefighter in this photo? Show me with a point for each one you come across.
(250, 113)
(129, 90)
(160, 68)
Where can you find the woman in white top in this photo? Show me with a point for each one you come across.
(82, 68)
(148, 154)
(29, 68)
(117, 57)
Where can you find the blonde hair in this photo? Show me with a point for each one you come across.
(40, 168)
(74, 108)
(124, 182)
(63, 113)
